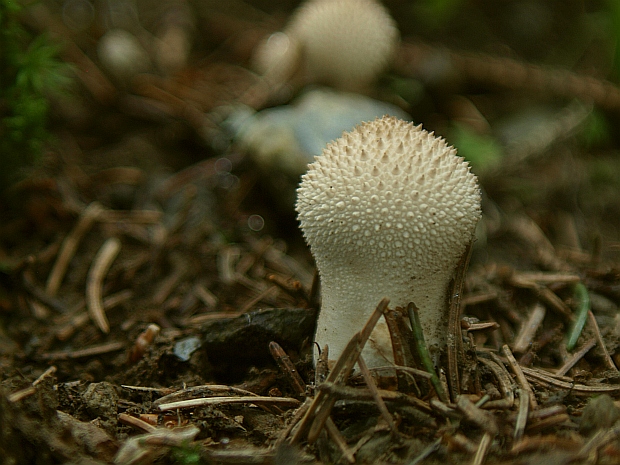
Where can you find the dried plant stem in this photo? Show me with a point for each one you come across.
(192, 403)
(137, 423)
(534, 428)
(524, 410)
(287, 367)
(206, 390)
(70, 245)
(555, 303)
(482, 418)
(542, 277)
(46, 374)
(78, 320)
(41, 295)
(526, 228)
(346, 392)
(412, 371)
(548, 380)
(521, 379)
(454, 346)
(483, 449)
(340, 441)
(529, 328)
(553, 442)
(399, 336)
(94, 282)
(30, 390)
(375, 394)
(21, 394)
(87, 352)
(572, 361)
(505, 382)
(169, 283)
(601, 343)
(268, 292)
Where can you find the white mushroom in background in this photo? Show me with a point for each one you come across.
(342, 43)
(122, 55)
(288, 137)
(388, 210)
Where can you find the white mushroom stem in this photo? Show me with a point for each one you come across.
(388, 210)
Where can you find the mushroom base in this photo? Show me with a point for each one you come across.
(337, 324)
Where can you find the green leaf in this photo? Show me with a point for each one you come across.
(481, 150)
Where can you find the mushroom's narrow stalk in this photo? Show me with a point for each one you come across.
(388, 209)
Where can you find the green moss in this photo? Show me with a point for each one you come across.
(30, 72)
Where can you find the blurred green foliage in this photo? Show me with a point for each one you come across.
(596, 131)
(186, 455)
(436, 13)
(483, 151)
(30, 72)
(614, 17)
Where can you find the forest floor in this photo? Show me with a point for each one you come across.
(158, 302)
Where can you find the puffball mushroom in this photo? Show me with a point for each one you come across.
(342, 43)
(388, 210)
(122, 54)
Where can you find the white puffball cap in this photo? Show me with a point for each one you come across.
(388, 210)
(346, 43)
(122, 54)
(342, 43)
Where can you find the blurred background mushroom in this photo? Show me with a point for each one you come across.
(342, 43)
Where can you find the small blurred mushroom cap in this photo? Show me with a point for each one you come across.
(345, 43)
(122, 55)
(341, 43)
